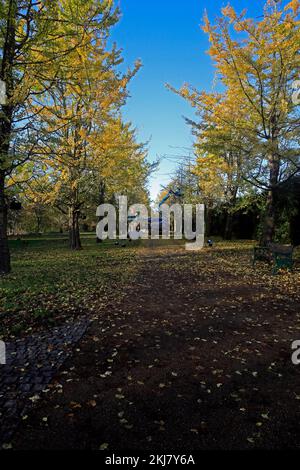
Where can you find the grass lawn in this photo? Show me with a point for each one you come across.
(50, 284)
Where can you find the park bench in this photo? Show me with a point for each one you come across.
(280, 255)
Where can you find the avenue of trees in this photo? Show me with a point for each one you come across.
(64, 145)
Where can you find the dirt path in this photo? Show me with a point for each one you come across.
(196, 356)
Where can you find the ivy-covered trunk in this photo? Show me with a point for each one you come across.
(6, 75)
(4, 248)
(269, 219)
(270, 211)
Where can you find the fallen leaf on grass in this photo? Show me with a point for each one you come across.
(104, 446)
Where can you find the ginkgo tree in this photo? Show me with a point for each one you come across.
(80, 125)
(220, 165)
(120, 162)
(37, 38)
(257, 62)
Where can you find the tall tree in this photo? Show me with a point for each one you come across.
(220, 163)
(257, 62)
(79, 116)
(36, 38)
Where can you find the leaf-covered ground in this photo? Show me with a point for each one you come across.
(50, 284)
(186, 351)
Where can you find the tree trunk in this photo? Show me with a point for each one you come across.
(4, 248)
(231, 204)
(269, 222)
(6, 74)
(208, 221)
(74, 233)
(102, 188)
(270, 213)
(38, 223)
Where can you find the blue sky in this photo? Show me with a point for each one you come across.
(166, 36)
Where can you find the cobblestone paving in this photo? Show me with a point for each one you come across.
(31, 364)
